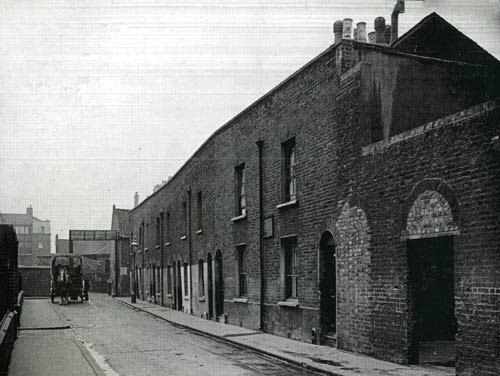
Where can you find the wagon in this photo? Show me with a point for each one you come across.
(76, 285)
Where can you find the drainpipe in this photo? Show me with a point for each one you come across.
(260, 145)
(190, 247)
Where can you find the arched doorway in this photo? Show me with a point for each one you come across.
(430, 234)
(179, 286)
(328, 289)
(210, 287)
(219, 285)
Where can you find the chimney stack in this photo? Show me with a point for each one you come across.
(361, 26)
(29, 211)
(347, 30)
(371, 37)
(398, 8)
(387, 34)
(337, 30)
(379, 30)
(136, 199)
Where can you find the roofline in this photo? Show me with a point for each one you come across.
(388, 49)
(240, 114)
(405, 36)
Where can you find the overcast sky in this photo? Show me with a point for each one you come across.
(102, 98)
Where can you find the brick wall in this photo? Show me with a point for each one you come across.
(36, 280)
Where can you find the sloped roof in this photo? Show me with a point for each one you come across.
(435, 37)
(17, 219)
(120, 221)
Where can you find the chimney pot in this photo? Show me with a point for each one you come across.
(29, 211)
(361, 26)
(387, 34)
(338, 26)
(371, 37)
(379, 30)
(136, 199)
(398, 8)
(347, 30)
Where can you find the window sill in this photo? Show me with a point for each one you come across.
(201, 299)
(289, 303)
(240, 300)
(186, 298)
(146, 249)
(167, 244)
(157, 246)
(239, 217)
(287, 204)
(200, 231)
(183, 237)
(169, 296)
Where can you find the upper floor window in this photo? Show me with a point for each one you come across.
(185, 217)
(169, 229)
(40, 245)
(158, 230)
(289, 259)
(289, 181)
(42, 229)
(200, 210)
(242, 270)
(240, 190)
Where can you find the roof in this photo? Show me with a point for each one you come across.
(17, 219)
(435, 37)
(120, 221)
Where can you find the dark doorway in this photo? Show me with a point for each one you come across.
(153, 284)
(328, 289)
(219, 285)
(179, 287)
(210, 287)
(431, 283)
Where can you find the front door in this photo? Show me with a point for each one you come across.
(210, 287)
(219, 285)
(432, 289)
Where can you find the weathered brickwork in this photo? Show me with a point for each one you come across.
(35, 280)
(372, 194)
(354, 280)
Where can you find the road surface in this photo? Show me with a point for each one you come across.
(125, 342)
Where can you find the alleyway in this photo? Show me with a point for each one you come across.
(107, 338)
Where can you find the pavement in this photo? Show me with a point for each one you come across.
(47, 346)
(321, 359)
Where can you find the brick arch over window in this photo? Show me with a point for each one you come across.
(431, 209)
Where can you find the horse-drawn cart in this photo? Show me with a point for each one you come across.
(67, 278)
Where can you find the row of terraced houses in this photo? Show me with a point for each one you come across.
(355, 205)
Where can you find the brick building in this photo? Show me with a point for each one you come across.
(120, 258)
(33, 235)
(356, 204)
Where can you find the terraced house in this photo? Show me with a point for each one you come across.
(354, 205)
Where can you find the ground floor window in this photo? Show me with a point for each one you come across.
(185, 279)
(242, 270)
(201, 279)
(169, 279)
(289, 254)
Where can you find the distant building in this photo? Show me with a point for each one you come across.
(33, 235)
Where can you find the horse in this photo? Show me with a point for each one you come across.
(63, 282)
